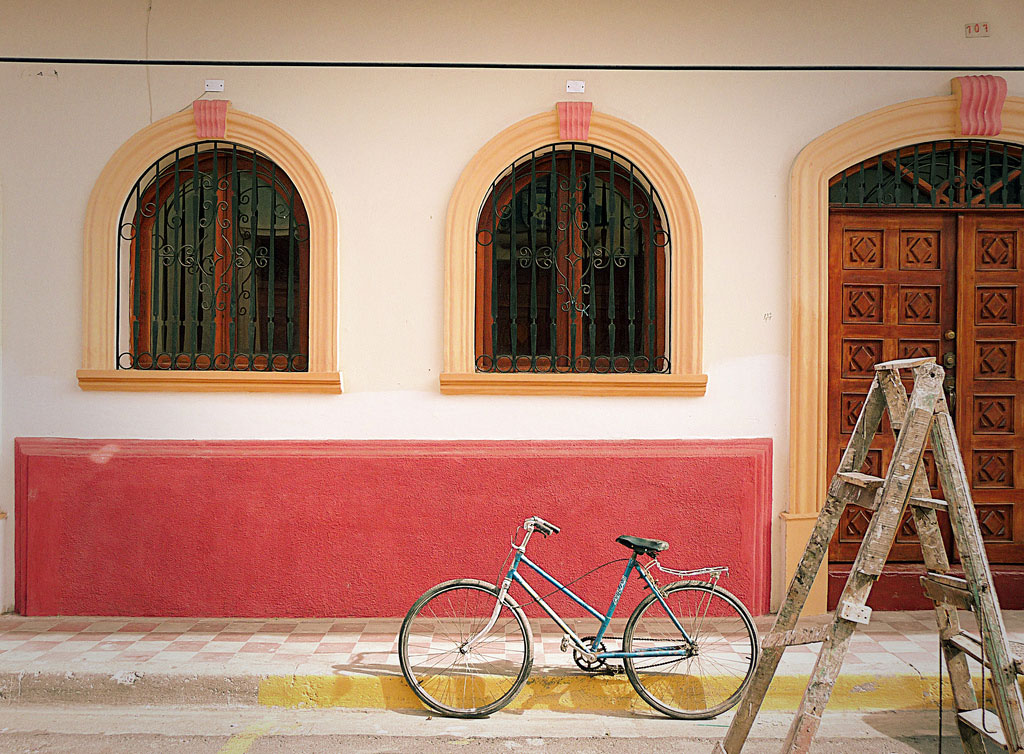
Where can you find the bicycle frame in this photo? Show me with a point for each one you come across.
(591, 652)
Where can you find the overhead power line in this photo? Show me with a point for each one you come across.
(493, 65)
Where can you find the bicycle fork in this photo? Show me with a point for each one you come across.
(502, 594)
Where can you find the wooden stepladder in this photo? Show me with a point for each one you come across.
(905, 484)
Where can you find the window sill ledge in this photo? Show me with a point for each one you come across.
(481, 383)
(241, 382)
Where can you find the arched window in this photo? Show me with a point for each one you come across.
(573, 266)
(210, 263)
(572, 255)
(215, 247)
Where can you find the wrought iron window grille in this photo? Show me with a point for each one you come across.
(214, 250)
(572, 266)
(949, 174)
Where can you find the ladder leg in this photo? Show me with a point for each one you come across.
(796, 596)
(870, 559)
(819, 690)
(948, 621)
(803, 577)
(967, 533)
(933, 551)
(830, 660)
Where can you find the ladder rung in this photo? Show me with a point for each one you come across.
(947, 589)
(861, 480)
(898, 364)
(929, 502)
(859, 489)
(970, 645)
(796, 636)
(957, 582)
(992, 728)
(1017, 650)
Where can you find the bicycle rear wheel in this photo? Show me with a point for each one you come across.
(724, 650)
(442, 671)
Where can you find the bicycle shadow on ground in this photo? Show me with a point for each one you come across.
(562, 691)
(361, 664)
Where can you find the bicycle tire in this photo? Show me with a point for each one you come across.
(710, 681)
(448, 679)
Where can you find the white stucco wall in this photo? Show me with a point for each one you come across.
(392, 142)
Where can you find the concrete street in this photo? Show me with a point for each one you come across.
(85, 729)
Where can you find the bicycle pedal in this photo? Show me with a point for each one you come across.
(565, 643)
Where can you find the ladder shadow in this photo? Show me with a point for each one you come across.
(917, 729)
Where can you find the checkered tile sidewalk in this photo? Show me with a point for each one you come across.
(892, 644)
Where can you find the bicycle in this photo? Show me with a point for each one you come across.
(466, 646)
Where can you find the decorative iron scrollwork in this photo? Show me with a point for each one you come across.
(573, 257)
(213, 264)
(950, 174)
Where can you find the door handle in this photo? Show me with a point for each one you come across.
(949, 360)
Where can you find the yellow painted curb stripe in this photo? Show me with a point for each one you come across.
(598, 693)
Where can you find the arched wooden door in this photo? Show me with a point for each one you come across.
(926, 258)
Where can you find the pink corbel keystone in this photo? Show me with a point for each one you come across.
(574, 120)
(979, 102)
(211, 116)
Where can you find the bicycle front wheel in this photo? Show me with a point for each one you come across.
(691, 681)
(452, 675)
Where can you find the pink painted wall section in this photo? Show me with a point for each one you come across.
(980, 102)
(574, 120)
(211, 118)
(337, 528)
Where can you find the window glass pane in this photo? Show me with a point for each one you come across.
(215, 249)
(572, 266)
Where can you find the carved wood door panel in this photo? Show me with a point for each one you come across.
(892, 295)
(990, 379)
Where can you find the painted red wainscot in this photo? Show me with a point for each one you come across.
(339, 528)
(899, 586)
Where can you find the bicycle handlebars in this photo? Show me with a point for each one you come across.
(536, 523)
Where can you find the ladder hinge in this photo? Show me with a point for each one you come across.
(855, 613)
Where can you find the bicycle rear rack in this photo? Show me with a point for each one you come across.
(716, 571)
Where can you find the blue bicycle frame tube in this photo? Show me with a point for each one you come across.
(654, 651)
(514, 575)
(554, 582)
(615, 601)
(606, 619)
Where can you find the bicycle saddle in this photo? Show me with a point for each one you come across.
(642, 546)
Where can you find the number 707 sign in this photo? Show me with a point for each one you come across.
(976, 30)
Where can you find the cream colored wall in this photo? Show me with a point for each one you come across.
(392, 142)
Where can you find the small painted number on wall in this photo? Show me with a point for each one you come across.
(976, 29)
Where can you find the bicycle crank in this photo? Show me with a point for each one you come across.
(590, 662)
